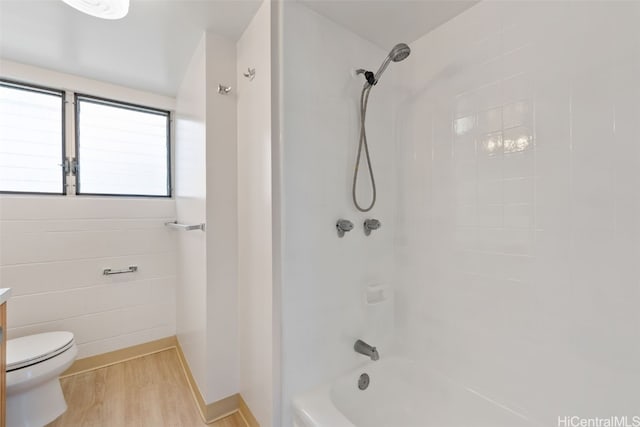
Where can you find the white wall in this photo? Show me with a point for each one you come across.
(519, 261)
(190, 194)
(53, 250)
(57, 80)
(255, 285)
(277, 190)
(222, 222)
(206, 192)
(324, 277)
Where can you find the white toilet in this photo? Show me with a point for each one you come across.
(34, 363)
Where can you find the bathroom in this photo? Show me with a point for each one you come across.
(500, 288)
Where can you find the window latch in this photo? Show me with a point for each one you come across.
(70, 166)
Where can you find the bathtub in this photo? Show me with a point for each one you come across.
(401, 393)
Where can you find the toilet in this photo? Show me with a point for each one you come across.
(34, 363)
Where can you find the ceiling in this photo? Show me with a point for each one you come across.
(151, 47)
(388, 22)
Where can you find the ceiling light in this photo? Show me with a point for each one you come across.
(106, 9)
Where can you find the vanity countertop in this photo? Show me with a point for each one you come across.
(5, 293)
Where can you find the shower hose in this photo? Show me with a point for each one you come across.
(364, 99)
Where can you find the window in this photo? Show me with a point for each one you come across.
(31, 139)
(121, 149)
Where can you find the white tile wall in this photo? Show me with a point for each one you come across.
(53, 251)
(325, 277)
(518, 235)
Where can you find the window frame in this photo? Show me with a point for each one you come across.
(127, 106)
(63, 128)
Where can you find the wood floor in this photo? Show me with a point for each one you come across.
(148, 391)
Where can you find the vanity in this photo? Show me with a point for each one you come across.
(4, 296)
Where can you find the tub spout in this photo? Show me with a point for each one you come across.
(364, 348)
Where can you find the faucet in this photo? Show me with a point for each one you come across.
(364, 348)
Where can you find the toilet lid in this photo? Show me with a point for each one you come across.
(32, 349)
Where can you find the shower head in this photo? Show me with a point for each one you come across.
(397, 54)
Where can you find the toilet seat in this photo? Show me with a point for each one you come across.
(30, 350)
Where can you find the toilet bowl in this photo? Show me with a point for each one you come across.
(34, 363)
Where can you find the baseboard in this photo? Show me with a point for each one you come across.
(117, 356)
(247, 415)
(215, 411)
(222, 408)
(197, 396)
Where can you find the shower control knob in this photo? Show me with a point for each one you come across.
(343, 226)
(370, 225)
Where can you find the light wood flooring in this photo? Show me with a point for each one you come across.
(147, 391)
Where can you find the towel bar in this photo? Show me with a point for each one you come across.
(109, 272)
(185, 227)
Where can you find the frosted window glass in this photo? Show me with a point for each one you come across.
(31, 148)
(121, 150)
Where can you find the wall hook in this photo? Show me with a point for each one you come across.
(250, 74)
(224, 90)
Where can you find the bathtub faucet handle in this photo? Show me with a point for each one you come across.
(343, 226)
(371, 224)
(366, 349)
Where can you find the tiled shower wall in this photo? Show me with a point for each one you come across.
(324, 277)
(517, 244)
